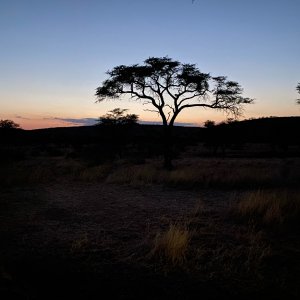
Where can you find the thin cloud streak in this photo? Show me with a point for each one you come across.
(57, 121)
(80, 121)
(46, 122)
(93, 121)
(21, 117)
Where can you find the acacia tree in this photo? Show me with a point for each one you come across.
(8, 124)
(171, 87)
(298, 90)
(117, 117)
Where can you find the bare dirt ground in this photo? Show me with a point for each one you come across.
(94, 240)
(90, 240)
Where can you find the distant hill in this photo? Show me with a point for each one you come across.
(264, 130)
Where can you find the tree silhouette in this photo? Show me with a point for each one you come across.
(209, 124)
(171, 87)
(8, 124)
(117, 126)
(298, 90)
(117, 117)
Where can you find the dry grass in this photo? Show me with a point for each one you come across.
(209, 248)
(80, 244)
(235, 258)
(192, 172)
(21, 174)
(276, 208)
(39, 170)
(96, 173)
(220, 173)
(172, 244)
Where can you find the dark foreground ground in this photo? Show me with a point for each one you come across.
(88, 221)
(81, 239)
(91, 241)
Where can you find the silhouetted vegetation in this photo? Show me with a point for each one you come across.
(265, 137)
(209, 123)
(8, 124)
(171, 87)
(298, 90)
(87, 211)
(117, 117)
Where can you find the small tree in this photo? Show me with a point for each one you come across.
(209, 124)
(117, 117)
(298, 90)
(171, 87)
(117, 126)
(8, 124)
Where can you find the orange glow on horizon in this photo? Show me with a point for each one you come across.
(40, 123)
(29, 124)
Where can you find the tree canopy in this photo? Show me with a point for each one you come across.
(117, 117)
(209, 124)
(8, 124)
(170, 87)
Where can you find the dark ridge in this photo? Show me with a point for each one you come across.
(264, 130)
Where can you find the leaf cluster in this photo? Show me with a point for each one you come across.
(8, 124)
(117, 117)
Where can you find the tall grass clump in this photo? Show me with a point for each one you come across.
(269, 208)
(145, 174)
(23, 174)
(211, 173)
(94, 174)
(172, 245)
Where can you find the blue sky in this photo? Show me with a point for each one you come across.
(54, 54)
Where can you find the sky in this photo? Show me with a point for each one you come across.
(55, 53)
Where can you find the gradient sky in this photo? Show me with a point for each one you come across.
(54, 53)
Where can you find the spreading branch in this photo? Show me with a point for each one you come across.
(171, 87)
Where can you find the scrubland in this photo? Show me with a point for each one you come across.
(128, 229)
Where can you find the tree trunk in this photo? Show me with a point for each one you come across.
(168, 143)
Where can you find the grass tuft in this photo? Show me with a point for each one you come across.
(79, 244)
(96, 173)
(269, 208)
(172, 244)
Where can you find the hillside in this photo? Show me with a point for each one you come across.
(264, 130)
(89, 211)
